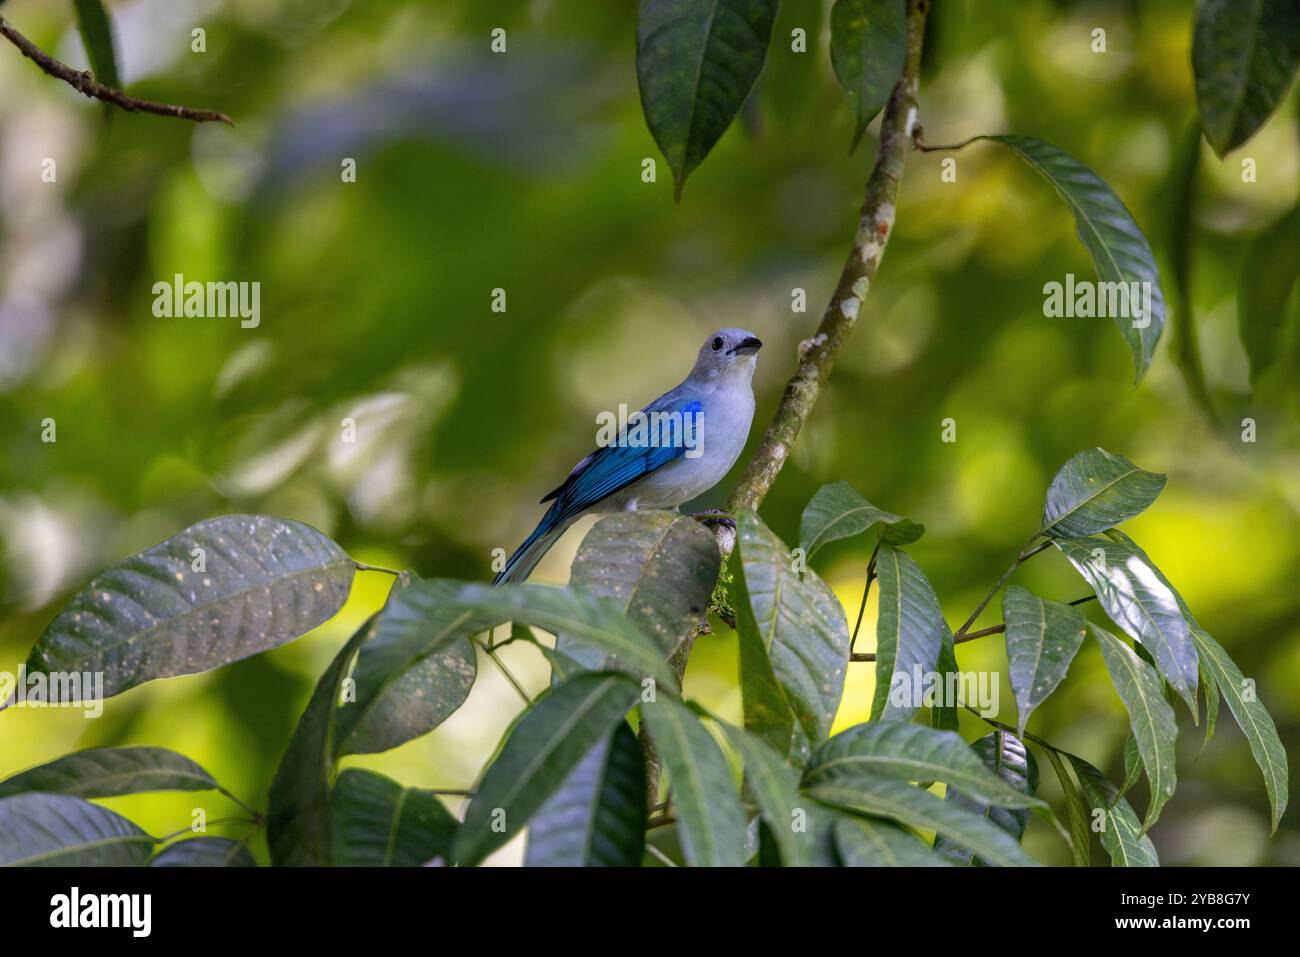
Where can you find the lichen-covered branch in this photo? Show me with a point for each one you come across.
(84, 82)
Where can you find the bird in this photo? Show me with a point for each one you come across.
(703, 425)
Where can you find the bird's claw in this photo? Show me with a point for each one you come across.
(714, 517)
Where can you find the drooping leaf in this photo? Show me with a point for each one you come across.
(414, 669)
(911, 752)
(1080, 831)
(299, 821)
(943, 712)
(1210, 691)
(871, 842)
(1143, 605)
(549, 740)
(1244, 54)
(795, 621)
(379, 823)
(1043, 637)
(1096, 490)
(1009, 761)
(775, 789)
(1150, 716)
(868, 49)
(597, 817)
(205, 852)
(97, 34)
(58, 830)
(910, 629)
(710, 820)
(838, 511)
(262, 582)
(1269, 273)
(1132, 765)
(1120, 834)
(1119, 250)
(108, 772)
(899, 801)
(696, 61)
(659, 566)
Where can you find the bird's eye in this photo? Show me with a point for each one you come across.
(717, 343)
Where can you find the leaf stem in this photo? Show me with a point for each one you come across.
(1024, 556)
(364, 567)
(514, 682)
(866, 590)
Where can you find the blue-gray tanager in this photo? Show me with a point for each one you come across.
(677, 447)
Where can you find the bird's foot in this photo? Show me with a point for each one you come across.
(715, 517)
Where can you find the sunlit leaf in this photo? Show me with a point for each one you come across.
(1096, 490)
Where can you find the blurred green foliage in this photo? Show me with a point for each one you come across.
(522, 171)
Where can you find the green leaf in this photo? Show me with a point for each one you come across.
(97, 35)
(414, 669)
(910, 629)
(838, 511)
(1119, 250)
(1143, 605)
(1244, 54)
(910, 752)
(1080, 830)
(868, 842)
(264, 581)
(205, 852)
(792, 630)
(774, 787)
(1043, 637)
(898, 801)
(943, 713)
(597, 817)
(1150, 716)
(1251, 715)
(1007, 758)
(660, 567)
(58, 830)
(379, 823)
(1210, 691)
(1097, 490)
(108, 772)
(549, 740)
(710, 820)
(1120, 833)
(1132, 765)
(1268, 275)
(696, 61)
(868, 50)
(299, 818)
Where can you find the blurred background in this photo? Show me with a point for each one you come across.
(521, 171)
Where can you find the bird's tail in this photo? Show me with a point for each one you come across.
(527, 555)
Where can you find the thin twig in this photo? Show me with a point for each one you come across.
(501, 665)
(85, 83)
(997, 586)
(364, 567)
(866, 590)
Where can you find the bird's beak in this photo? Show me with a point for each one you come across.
(747, 347)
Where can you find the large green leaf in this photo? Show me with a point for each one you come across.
(1119, 250)
(1269, 273)
(838, 511)
(1043, 637)
(696, 61)
(795, 622)
(869, 842)
(910, 628)
(379, 823)
(868, 49)
(108, 772)
(1244, 54)
(550, 739)
(1141, 603)
(413, 670)
(58, 830)
(97, 34)
(1096, 490)
(1120, 834)
(910, 752)
(659, 566)
(205, 852)
(774, 787)
(710, 821)
(899, 801)
(1080, 830)
(264, 581)
(1009, 761)
(299, 819)
(1150, 716)
(597, 817)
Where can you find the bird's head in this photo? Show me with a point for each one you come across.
(727, 351)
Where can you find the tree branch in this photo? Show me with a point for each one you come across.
(83, 82)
